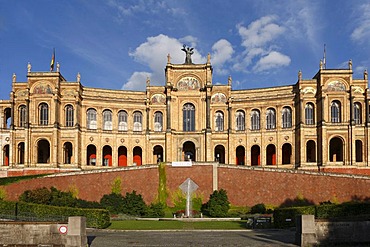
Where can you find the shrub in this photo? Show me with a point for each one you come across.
(155, 210)
(55, 197)
(218, 204)
(258, 209)
(40, 196)
(113, 202)
(134, 204)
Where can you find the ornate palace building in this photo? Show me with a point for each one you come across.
(49, 122)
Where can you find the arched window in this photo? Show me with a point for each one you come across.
(255, 120)
(107, 120)
(270, 119)
(309, 112)
(357, 116)
(335, 112)
(240, 120)
(138, 121)
(158, 121)
(122, 121)
(287, 117)
(22, 115)
(7, 118)
(219, 121)
(188, 112)
(91, 119)
(44, 114)
(69, 115)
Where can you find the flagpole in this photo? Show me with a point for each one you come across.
(52, 62)
(324, 58)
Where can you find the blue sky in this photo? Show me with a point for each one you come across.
(117, 44)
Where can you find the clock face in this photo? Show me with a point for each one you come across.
(188, 83)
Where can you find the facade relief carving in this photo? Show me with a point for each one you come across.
(308, 90)
(218, 98)
(42, 88)
(336, 86)
(158, 99)
(188, 83)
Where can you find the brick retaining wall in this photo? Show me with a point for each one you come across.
(244, 185)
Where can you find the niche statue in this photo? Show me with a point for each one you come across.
(189, 51)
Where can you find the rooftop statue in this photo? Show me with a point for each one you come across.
(189, 51)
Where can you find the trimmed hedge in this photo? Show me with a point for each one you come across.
(286, 217)
(95, 218)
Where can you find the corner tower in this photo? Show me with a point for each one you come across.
(188, 90)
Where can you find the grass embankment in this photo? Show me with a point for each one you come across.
(177, 225)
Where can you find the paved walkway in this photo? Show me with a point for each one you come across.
(111, 238)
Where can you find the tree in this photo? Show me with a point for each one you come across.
(134, 204)
(113, 202)
(218, 204)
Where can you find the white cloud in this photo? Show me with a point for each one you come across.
(137, 81)
(258, 39)
(273, 60)
(260, 32)
(362, 30)
(222, 52)
(153, 53)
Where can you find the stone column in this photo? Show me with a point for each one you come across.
(76, 235)
(305, 232)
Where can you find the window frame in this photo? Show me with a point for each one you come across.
(107, 120)
(69, 115)
(335, 112)
(91, 119)
(286, 117)
(270, 119)
(240, 120)
(255, 119)
(43, 114)
(188, 120)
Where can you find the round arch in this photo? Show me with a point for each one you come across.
(220, 154)
(68, 152)
(91, 155)
(255, 155)
(271, 154)
(158, 154)
(122, 156)
(137, 158)
(189, 151)
(240, 155)
(43, 151)
(287, 154)
(336, 145)
(107, 156)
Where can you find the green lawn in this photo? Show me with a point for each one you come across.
(177, 225)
